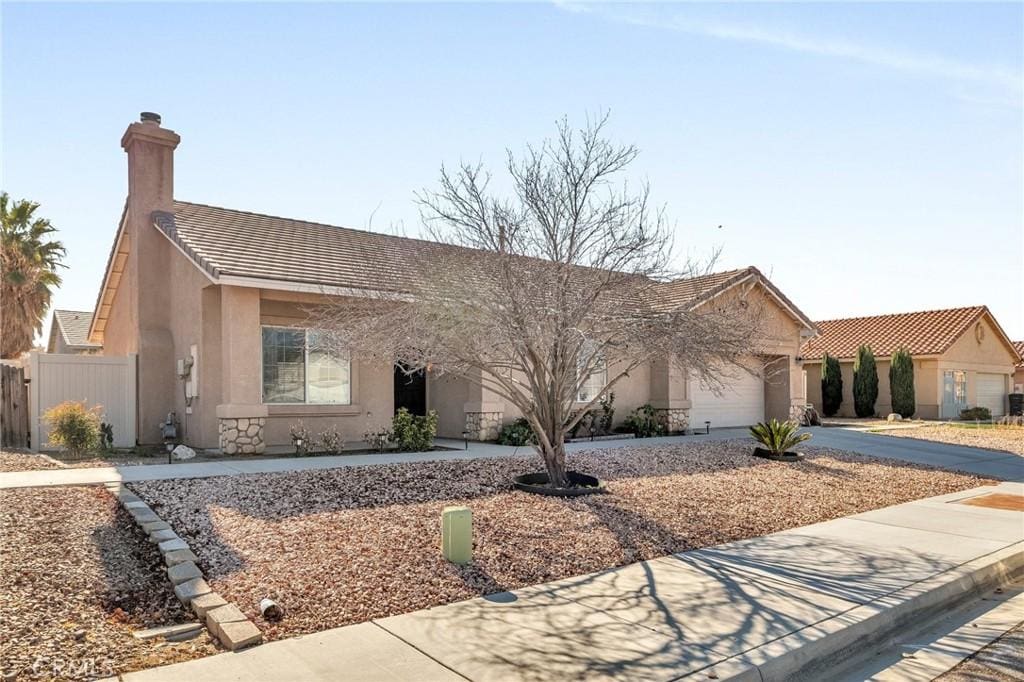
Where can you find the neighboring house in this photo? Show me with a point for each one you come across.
(1018, 375)
(69, 333)
(215, 304)
(962, 358)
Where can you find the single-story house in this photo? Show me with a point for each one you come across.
(69, 333)
(214, 302)
(961, 356)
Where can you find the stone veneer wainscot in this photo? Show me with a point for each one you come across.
(483, 426)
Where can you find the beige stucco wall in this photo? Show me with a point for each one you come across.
(372, 404)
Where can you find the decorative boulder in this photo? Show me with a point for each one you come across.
(183, 452)
(893, 417)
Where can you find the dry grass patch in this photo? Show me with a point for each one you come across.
(78, 578)
(1002, 438)
(344, 546)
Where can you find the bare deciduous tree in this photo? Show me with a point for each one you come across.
(530, 295)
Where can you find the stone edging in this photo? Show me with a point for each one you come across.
(224, 620)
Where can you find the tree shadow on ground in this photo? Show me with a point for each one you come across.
(664, 618)
(196, 508)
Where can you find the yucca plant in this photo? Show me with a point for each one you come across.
(778, 437)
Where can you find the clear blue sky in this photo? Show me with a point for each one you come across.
(867, 156)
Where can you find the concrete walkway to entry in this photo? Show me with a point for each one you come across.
(784, 606)
(1000, 465)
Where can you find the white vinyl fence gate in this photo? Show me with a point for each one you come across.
(107, 381)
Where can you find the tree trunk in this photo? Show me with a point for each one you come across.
(554, 459)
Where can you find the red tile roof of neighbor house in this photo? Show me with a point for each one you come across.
(928, 332)
(1019, 347)
(227, 244)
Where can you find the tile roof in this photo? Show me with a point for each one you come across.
(74, 327)
(694, 289)
(230, 243)
(928, 332)
(237, 243)
(1019, 347)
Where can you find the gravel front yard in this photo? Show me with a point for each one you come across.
(344, 546)
(24, 461)
(1005, 439)
(78, 577)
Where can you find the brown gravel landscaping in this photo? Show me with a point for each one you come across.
(24, 461)
(343, 546)
(1002, 438)
(78, 578)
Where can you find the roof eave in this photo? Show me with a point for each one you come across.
(116, 248)
(752, 272)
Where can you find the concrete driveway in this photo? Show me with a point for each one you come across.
(1001, 465)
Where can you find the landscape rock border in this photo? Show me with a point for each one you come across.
(224, 620)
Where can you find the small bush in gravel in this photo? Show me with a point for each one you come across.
(643, 423)
(778, 437)
(301, 438)
(976, 413)
(413, 433)
(74, 427)
(330, 441)
(517, 433)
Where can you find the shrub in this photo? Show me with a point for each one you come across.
(901, 383)
(377, 439)
(517, 433)
(643, 423)
(74, 427)
(301, 438)
(607, 417)
(584, 422)
(330, 441)
(413, 433)
(976, 413)
(831, 385)
(778, 437)
(865, 382)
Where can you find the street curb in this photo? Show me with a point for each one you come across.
(810, 653)
(189, 586)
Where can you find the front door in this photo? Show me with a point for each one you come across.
(410, 391)
(954, 393)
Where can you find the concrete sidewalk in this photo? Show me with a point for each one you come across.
(990, 463)
(785, 606)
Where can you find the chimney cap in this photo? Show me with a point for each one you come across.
(147, 116)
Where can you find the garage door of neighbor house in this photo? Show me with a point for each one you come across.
(992, 393)
(740, 403)
(102, 380)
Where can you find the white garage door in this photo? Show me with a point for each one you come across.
(740, 403)
(992, 393)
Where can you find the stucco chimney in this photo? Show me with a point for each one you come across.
(148, 313)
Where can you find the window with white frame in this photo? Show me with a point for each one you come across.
(299, 367)
(598, 377)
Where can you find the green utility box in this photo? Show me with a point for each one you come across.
(457, 534)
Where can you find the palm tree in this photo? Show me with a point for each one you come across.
(28, 273)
